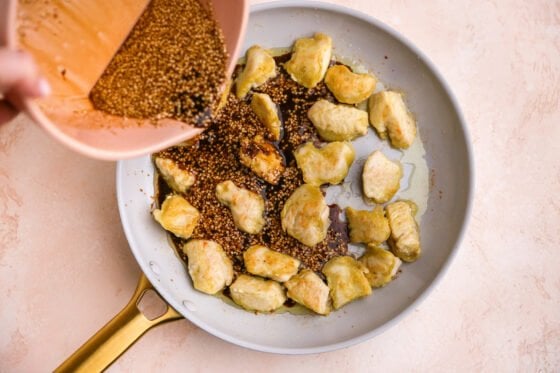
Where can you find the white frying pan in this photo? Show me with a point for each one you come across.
(448, 155)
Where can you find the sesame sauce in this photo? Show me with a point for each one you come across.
(214, 157)
(172, 65)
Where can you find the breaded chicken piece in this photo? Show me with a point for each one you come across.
(310, 60)
(178, 179)
(263, 158)
(305, 215)
(349, 87)
(307, 288)
(329, 164)
(346, 279)
(388, 114)
(381, 177)
(209, 267)
(382, 265)
(177, 216)
(257, 294)
(337, 122)
(247, 208)
(261, 261)
(267, 112)
(368, 226)
(260, 67)
(405, 238)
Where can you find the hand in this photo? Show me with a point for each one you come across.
(19, 77)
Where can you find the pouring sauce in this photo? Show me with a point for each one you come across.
(172, 65)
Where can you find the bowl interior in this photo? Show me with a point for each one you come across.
(73, 42)
(399, 66)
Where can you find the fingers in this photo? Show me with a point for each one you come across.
(17, 68)
(7, 112)
(19, 78)
(19, 74)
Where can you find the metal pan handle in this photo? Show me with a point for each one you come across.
(117, 336)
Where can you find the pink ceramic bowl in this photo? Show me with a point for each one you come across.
(72, 43)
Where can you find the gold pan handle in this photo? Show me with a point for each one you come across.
(117, 335)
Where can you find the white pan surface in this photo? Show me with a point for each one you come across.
(448, 157)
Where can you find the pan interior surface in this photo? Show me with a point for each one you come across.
(398, 65)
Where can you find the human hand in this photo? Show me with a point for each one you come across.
(19, 77)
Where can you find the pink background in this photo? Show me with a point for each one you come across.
(65, 268)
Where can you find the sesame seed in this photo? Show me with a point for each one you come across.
(172, 65)
(214, 158)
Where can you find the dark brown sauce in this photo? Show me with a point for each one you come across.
(213, 157)
(289, 303)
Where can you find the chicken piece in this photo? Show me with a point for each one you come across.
(381, 177)
(349, 87)
(405, 238)
(263, 158)
(388, 114)
(260, 67)
(177, 216)
(330, 164)
(223, 97)
(247, 208)
(368, 226)
(261, 261)
(178, 179)
(209, 267)
(310, 60)
(337, 122)
(267, 112)
(305, 215)
(346, 279)
(257, 294)
(382, 265)
(308, 289)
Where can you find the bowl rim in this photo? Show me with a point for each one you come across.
(446, 264)
(32, 109)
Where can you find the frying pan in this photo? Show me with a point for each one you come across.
(443, 131)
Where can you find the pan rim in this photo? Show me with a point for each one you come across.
(309, 4)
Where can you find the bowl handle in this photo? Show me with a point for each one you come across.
(117, 335)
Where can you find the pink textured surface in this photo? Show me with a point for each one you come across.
(65, 268)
